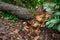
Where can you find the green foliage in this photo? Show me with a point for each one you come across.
(55, 22)
(32, 4)
(49, 6)
(8, 16)
(58, 28)
(8, 1)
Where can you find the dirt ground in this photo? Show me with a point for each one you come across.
(21, 31)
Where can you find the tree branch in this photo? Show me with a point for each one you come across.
(22, 13)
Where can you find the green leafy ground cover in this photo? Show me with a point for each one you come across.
(7, 16)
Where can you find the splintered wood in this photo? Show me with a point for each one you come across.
(42, 16)
(40, 19)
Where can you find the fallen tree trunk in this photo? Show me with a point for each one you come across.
(22, 13)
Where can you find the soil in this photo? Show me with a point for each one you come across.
(22, 30)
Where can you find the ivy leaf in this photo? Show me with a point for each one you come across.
(57, 13)
(53, 21)
(15, 20)
(58, 28)
(50, 25)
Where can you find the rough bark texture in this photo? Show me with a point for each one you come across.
(23, 13)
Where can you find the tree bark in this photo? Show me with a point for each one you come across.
(22, 13)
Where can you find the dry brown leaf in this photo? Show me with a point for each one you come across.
(16, 31)
(36, 38)
(25, 23)
(26, 28)
(35, 30)
(54, 35)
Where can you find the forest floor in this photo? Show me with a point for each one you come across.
(21, 31)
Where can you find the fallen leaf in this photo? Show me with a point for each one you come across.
(16, 31)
